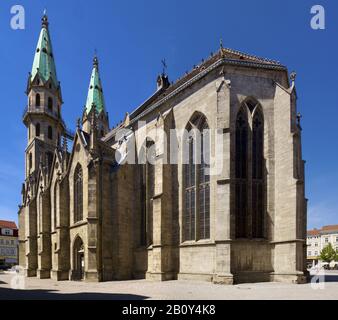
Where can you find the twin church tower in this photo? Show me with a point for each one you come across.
(43, 116)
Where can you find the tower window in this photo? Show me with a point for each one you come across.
(78, 194)
(37, 130)
(50, 133)
(30, 162)
(50, 104)
(37, 100)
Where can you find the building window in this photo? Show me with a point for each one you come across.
(147, 192)
(37, 129)
(30, 161)
(197, 181)
(12, 242)
(249, 184)
(309, 253)
(316, 253)
(50, 104)
(55, 206)
(37, 100)
(316, 244)
(336, 239)
(326, 240)
(78, 194)
(50, 133)
(241, 176)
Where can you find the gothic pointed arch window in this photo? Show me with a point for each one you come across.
(147, 177)
(196, 217)
(55, 205)
(78, 194)
(241, 174)
(257, 174)
(249, 171)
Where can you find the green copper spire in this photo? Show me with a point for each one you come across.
(95, 92)
(44, 64)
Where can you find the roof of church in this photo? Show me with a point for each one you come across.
(95, 91)
(44, 63)
(223, 55)
(227, 55)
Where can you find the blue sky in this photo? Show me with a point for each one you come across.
(132, 37)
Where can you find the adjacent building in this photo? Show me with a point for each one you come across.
(318, 239)
(86, 213)
(8, 243)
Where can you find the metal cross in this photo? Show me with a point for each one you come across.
(164, 64)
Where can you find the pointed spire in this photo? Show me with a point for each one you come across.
(44, 64)
(95, 93)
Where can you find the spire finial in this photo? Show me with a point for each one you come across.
(45, 19)
(221, 43)
(164, 64)
(95, 60)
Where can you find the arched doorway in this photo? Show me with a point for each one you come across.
(78, 259)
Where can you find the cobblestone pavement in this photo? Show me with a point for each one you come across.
(143, 289)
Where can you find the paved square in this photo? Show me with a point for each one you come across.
(175, 290)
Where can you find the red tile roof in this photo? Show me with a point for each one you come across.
(8, 224)
(333, 227)
(323, 230)
(314, 232)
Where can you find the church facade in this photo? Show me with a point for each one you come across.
(134, 202)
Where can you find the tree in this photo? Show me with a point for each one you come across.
(328, 254)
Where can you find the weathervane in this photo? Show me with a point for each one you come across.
(164, 64)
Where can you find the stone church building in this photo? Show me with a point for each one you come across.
(88, 213)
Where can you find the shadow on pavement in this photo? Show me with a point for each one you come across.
(12, 294)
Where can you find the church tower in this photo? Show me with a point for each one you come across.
(95, 104)
(42, 116)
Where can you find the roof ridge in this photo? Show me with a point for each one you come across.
(250, 56)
